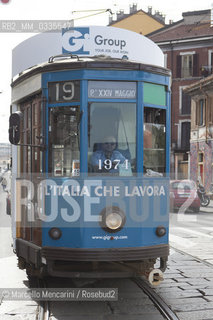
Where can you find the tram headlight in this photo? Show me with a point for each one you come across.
(55, 233)
(112, 219)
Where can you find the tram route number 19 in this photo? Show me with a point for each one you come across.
(109, 164)
(64, 91)
(68, 89)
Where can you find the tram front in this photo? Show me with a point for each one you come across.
(102, 202)
(108, 153)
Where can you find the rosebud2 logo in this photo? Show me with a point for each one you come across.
(5, 1)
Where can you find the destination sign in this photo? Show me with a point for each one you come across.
(111, 90)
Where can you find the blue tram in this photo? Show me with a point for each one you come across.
(91, 140)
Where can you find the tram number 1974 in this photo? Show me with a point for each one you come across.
(109, 164)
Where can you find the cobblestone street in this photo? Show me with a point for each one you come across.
(188, 287)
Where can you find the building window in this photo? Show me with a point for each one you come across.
(185, 103)
(210, 61)
(211, 187)
(200, 112)
(200, 167)
(165, 60)
(187, 65)
(185, 135)
(210, 110)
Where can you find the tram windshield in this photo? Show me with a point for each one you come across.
(154, 139)
(112, 138)
(64, 141)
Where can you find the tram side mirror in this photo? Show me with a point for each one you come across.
(14, 127)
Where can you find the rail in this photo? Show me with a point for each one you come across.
(43, 306)
(156, 299)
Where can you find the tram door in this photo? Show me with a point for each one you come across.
(64, 141)
(30, 166)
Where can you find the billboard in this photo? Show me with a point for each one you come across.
(86, 41)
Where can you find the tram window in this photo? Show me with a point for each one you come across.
(31, 130)
(64, 141)
(112, 138)
(154, 139)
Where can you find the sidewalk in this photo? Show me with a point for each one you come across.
(208, 209)
(13, 278)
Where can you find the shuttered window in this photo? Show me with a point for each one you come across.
(210, 110)
(187, 66)
(200, 112)
(185, 135)
(185, 103)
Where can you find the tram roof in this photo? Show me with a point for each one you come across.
(74, 62)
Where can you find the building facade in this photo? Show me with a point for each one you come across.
(138, 20)
(201, 142)
(5, 155)
(188, 48)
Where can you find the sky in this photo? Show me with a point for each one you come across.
(67, 10)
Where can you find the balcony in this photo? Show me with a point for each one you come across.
(206, 71)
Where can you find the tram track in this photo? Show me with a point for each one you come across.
(43, 306)
(160, 304)
(44, 312)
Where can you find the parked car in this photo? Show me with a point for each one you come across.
(184, 196)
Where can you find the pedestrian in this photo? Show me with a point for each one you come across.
(4, 183)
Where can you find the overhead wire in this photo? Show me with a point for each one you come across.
(91, 15)
(90, 10)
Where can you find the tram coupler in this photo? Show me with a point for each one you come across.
(155, 277)
(163, 263)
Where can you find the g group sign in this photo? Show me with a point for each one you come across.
(88, 41)
(91, 41)
(84, 41)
